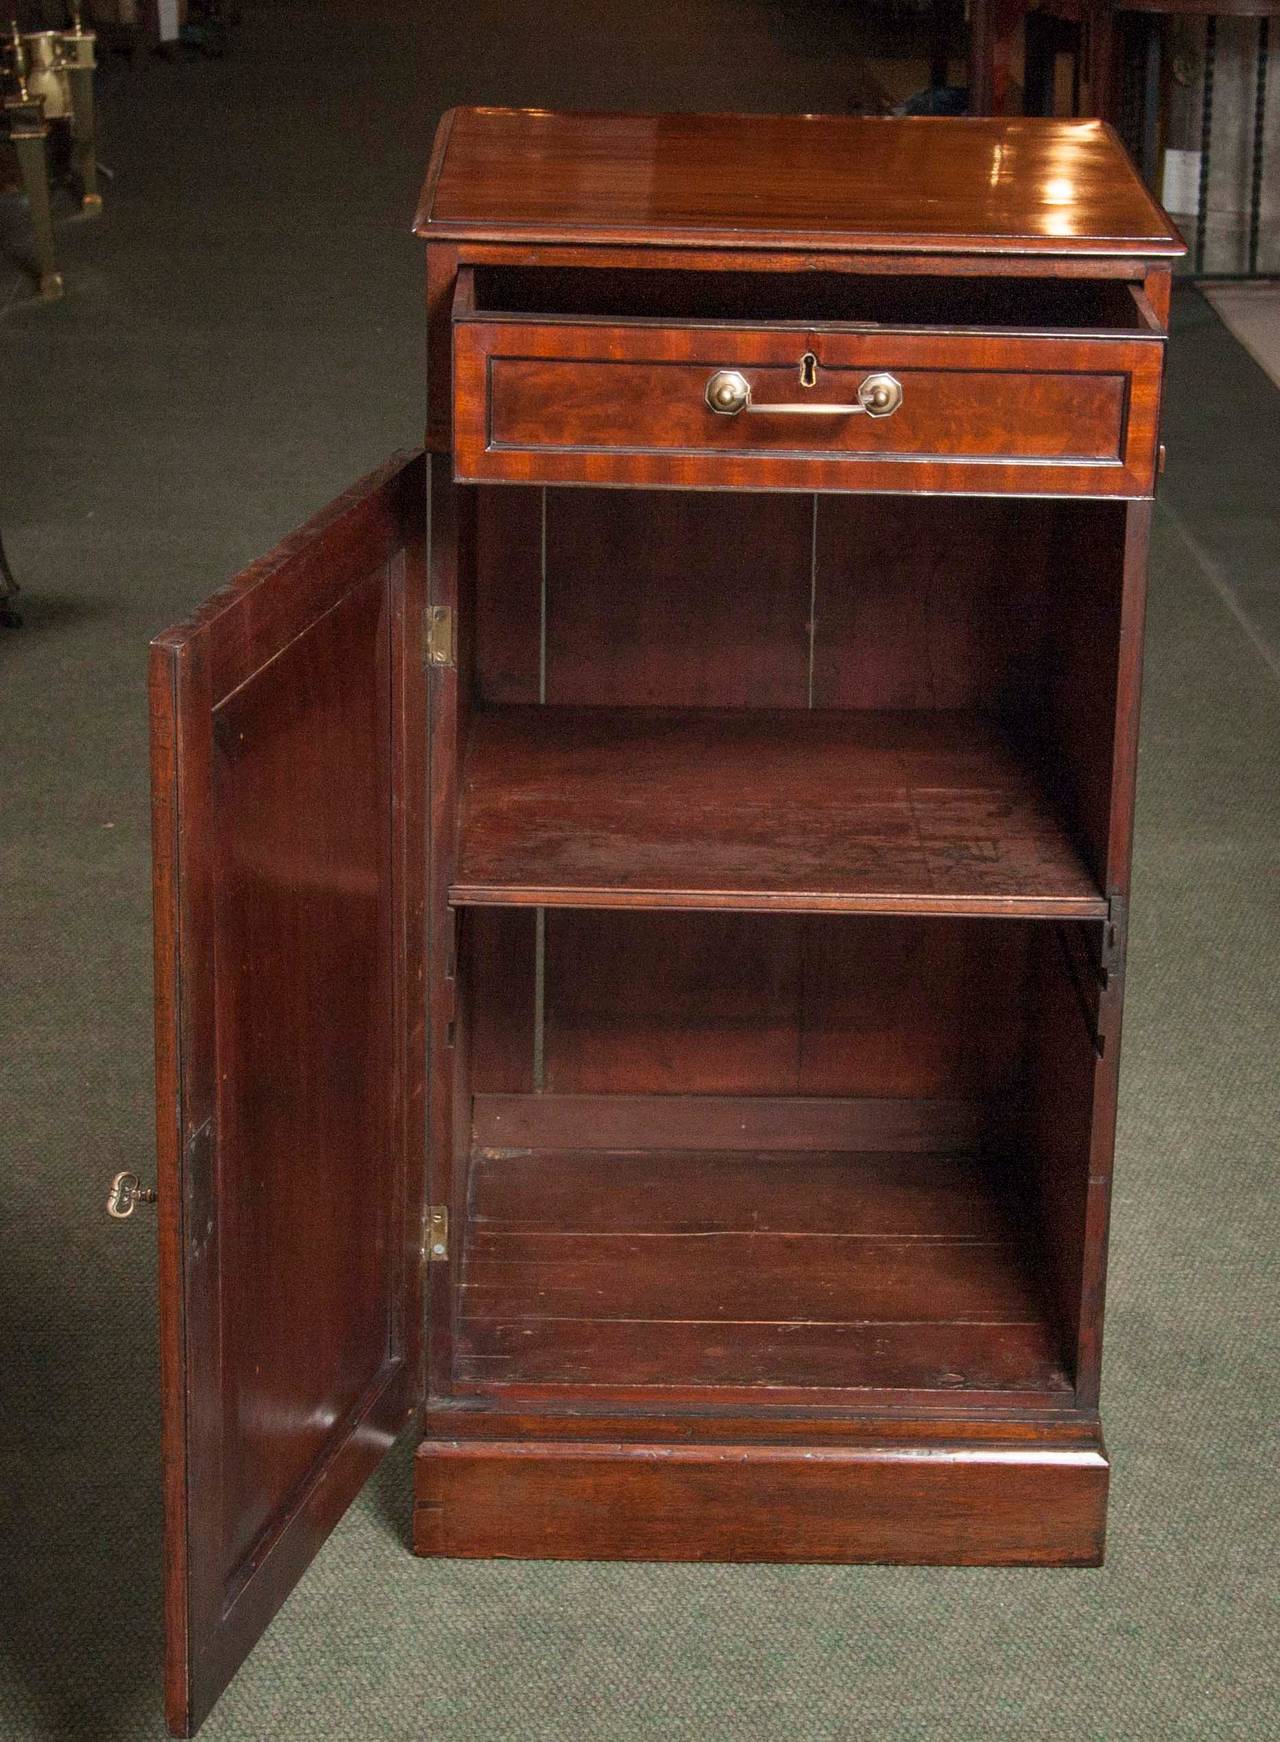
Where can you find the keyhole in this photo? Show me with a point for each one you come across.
(808, 370)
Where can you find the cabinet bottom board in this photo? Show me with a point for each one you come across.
(768, 1273)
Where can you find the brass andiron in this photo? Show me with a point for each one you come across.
(60, 69)
(78, 63)
(45, 77)
(26, 126)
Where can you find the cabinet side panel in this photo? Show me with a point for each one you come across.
(1079, 722)
(1090, 733)
(1063, 1068)
(450, 574)
(442, 271)
(501, 959)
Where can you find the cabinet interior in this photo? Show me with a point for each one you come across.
(799, 1154)
(726, 1124)
(889, 299)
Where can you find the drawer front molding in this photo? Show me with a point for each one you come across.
(589, 403)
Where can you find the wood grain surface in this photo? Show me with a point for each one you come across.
(941, 1503)
(805, 811)
(574, 402)
(818, 181)
(289, 806)
(792, 1272)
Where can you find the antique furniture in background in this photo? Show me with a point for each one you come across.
(51, 81)
(66, 59)
(1100, 35)
(23, 123)
(1264, 11)
(642, 888)
(993, 25)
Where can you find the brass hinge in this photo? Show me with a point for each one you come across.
(437, 635)
(1098, 980)
(1115, 936)
(437, 1233)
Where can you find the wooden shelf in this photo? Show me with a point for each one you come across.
(786, 810)
(897, 1272)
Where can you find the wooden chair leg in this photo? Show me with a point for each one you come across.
(1101, 57)
(1039, 64)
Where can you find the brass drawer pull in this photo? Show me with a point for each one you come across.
(729, 392)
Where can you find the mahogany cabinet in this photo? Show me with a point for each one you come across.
(641, 888)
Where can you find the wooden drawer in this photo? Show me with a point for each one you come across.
(592, 401)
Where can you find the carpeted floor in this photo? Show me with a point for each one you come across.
(241, 337)
(1252, 314)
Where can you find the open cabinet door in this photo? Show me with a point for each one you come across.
(288, 768)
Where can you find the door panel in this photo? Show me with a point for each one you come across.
(289, 789)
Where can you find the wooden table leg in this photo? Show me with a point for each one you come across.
(1100, 59)
(991, 27)
(1151, 60)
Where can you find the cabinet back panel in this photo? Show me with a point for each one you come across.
(508, 595)
(924, 602)
(633, 598)
(746, 1004)
(671, 1003)
(679, 599)
(912, 1007)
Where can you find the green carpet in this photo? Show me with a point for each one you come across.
(241, 337)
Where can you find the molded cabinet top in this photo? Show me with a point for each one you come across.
(956, 185)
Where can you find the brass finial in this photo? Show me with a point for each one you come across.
(19, 60)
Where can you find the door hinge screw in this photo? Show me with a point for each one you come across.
(437, 1233)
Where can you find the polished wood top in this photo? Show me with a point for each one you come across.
(959, 185)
